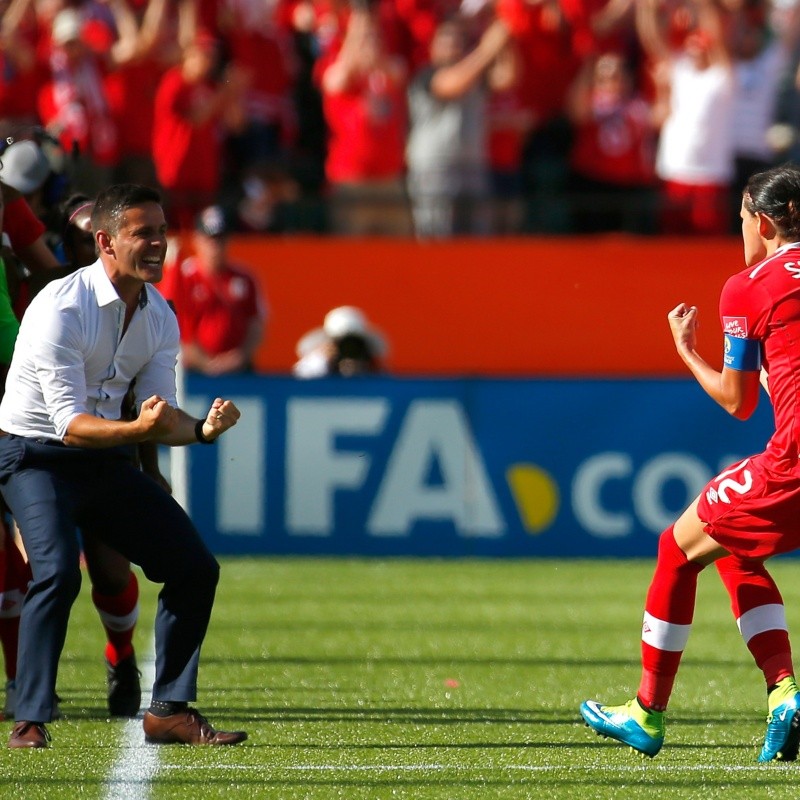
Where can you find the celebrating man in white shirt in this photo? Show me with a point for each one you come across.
(65, 464)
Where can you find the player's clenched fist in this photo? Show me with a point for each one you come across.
(683, 323)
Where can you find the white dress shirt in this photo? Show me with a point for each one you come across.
(71, 358)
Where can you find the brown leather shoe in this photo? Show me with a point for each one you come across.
(28, 734)
(186, 727)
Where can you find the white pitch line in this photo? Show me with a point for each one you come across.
(137, 764)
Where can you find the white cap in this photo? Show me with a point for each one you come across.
(24, 166)
(339, 322)
(345, 320)
(351, 321)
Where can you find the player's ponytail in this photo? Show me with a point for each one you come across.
(776, 193)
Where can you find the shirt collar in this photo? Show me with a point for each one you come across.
(105, 292)
(787, 246)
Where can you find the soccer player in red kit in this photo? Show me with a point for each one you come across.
(751, 510)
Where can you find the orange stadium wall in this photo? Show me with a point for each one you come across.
(510, 307)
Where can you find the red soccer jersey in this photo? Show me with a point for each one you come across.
(763, 303)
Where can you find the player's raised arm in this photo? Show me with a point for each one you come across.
(736, 387)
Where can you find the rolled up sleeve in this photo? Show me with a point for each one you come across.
(59, 364)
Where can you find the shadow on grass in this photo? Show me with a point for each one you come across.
(405, 716)
(579, 660)
(456, 746)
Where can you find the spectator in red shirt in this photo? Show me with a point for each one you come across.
(148, 48)
(261, 50)
(220, 309)
(258, 177)
(73, 103)
(192, 110)
(364, 101)
(22, 172)
(510, 122)
(545, 41)
(21, 73)
(612, 185)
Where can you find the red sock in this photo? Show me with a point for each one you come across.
(15, 575)
(119, 613)
(758, 607)
(669, 609)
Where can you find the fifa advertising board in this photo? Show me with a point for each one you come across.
(470, 467)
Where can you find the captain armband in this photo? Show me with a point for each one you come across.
(743, 355)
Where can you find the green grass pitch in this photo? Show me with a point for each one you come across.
(420, 679)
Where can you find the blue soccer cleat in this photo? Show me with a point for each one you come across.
(783, 723)
(629, 723)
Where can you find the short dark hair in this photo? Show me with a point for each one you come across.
(776, 193)
(115, 200)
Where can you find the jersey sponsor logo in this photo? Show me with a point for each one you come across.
(735, 326)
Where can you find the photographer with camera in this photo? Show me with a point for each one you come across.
(346, 345)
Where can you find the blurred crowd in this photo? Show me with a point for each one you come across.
(411, 117)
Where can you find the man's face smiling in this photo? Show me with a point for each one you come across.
(140, 246)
